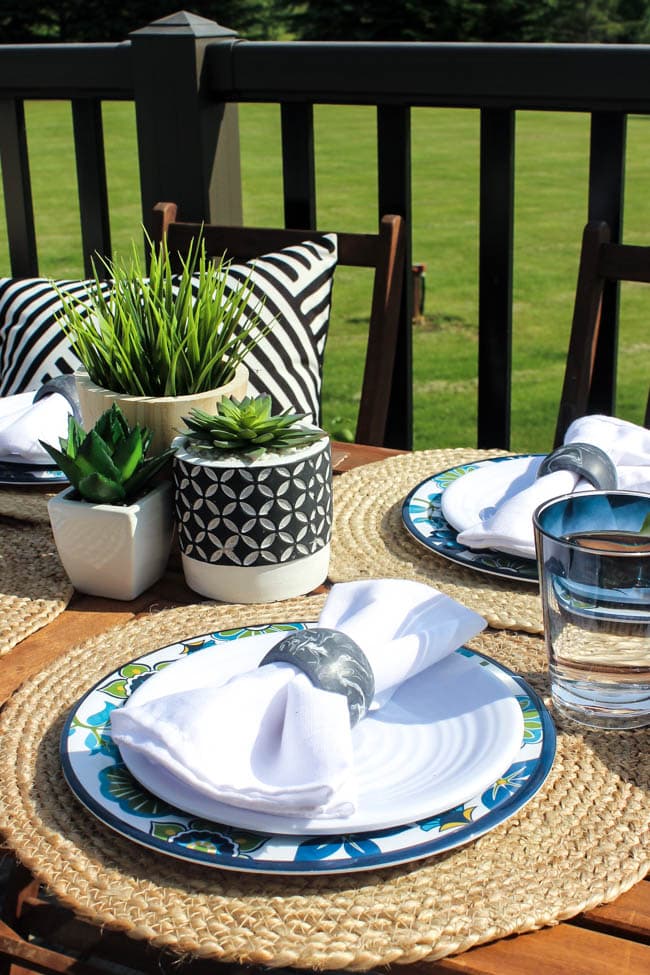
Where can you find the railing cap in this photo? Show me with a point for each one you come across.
(184, 22)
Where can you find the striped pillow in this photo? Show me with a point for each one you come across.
(295, 285)
(33, 349)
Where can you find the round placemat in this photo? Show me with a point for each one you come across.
(26, 504)
(582, 840)
(34, 588)
(369, 539)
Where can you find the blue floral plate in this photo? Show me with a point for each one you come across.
(21, 475)
(95, 772)
(424, 521)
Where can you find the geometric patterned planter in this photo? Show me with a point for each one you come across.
(254, 531)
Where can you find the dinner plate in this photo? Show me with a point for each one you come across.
(444, 735)
(423, 519)
(22, 475)
(96, 773)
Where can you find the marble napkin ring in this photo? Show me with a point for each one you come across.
(584, 459)
(332, 661)
(65, 386)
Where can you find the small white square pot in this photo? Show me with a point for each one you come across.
(254, 531)
(116, 551)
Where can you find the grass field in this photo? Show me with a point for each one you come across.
(551, 168)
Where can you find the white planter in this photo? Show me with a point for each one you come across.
(254, 532)
(163, 415)
(113, 550)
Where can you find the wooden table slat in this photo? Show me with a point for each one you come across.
(563, 950)
(628, 915)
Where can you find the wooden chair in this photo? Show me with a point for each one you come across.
(600, 261)
(383, 251)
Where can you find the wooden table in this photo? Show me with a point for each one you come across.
(614, 938)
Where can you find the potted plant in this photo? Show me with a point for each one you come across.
(253, 499)
(113, 526)
(159, 343)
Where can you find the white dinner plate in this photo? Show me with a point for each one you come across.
(425, 521)
(408, 775)
(445, 735)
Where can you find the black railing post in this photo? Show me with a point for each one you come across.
(17, 187)
(495, 277)
(188, 144)
(606, 185)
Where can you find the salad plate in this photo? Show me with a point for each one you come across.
(424, 520)
(24, 475)
(97, 774)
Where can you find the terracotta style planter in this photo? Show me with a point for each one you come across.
(254, 531)
(163, 415)
(116, 551)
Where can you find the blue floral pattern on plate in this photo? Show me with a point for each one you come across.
(424, 521)
(19, 475)
(94, 770)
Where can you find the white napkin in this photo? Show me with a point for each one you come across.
(23, 423)
(268, 739)
(492, 507)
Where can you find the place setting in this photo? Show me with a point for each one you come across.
(428, 746)
(463, 520)
(25, 420)
(34, 588)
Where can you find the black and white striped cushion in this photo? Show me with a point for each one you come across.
(33, 349)
(294, 284)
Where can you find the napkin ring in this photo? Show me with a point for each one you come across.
(66, 386)
(332, 661)
(584, 459)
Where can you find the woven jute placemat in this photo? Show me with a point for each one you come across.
(369, 539)
(27, 504)
(582, 840)
(34, 588)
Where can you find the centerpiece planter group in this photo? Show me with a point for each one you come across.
(170, 438)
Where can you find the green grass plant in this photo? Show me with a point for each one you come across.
(154, 333)
(551, 208)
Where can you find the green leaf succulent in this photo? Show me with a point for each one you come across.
(107, 465)
(248, 427)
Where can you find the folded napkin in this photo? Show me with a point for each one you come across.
(24, 422)
(268, 739)
(492, 507)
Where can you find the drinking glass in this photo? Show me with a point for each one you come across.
(594, 569)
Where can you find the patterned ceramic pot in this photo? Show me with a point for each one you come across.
(254, 531)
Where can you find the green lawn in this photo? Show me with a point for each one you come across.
(551, 158)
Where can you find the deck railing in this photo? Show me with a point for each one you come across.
(186, 76)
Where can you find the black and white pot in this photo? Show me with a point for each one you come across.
(254, 531)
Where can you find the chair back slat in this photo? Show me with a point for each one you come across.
(600, 261)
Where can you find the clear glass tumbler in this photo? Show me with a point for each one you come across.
(594, 568)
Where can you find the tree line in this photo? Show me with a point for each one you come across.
(558, 21)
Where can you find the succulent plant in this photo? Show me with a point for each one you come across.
(107, 465)
(248, 427)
